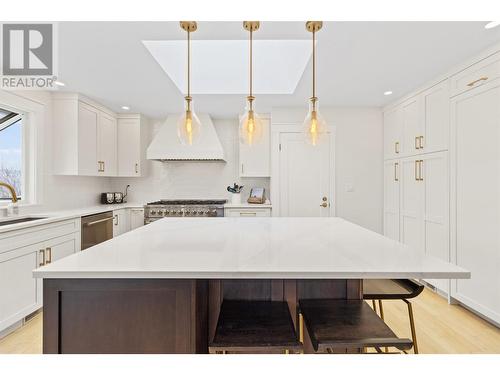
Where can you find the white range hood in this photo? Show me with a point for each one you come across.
(166, 146)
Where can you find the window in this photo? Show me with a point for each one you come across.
(11, 153)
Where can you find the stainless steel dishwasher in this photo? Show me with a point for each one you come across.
(96, 229)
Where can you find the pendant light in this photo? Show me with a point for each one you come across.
(314, 126)
(188, 125)
(250, 123)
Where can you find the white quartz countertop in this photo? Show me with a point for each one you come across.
(53, 216)
(275, 247)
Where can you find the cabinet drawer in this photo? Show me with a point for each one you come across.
(485, 71)
(248, 212)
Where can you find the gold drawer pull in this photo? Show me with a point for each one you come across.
(476, 81)
(396, 165)
(42, 254)
(49, 255)
(396, 147)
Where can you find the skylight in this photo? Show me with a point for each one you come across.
(221, 66)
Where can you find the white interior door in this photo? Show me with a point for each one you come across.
(391, 198)
(306, 177)
(411, 203)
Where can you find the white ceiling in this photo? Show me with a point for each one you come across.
(356, 62)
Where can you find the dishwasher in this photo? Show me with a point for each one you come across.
(96, 229)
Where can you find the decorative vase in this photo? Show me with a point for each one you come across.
(235, 198)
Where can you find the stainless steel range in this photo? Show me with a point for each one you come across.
(183, 208)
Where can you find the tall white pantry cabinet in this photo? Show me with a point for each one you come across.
(442, 178)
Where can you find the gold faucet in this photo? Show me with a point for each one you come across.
(11, 189)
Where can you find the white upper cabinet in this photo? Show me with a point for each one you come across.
(484, 71)
(86, 140)
(411, 124)
(131, 137)
(419, 124)
(255, 159)
(84, 137)
(106, 144)
(392, 133)
(435, 126)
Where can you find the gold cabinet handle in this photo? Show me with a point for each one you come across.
(42, 255)
(396, 165)
(416, 143)
(470, 84)
(116, 220)
(49, 255)
(421, 142)
(416, 170)
(103, 166)
(396, 147)
(420, 174)
(136, 167)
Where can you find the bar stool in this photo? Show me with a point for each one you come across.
(394, 289)
(335, 324)
(254, 326)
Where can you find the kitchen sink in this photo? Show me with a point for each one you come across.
(20, 220)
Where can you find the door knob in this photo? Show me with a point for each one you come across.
(324, 204)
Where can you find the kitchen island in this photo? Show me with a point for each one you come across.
(158, 289)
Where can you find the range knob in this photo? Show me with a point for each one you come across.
(153, 212)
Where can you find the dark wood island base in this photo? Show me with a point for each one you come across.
(160, 315)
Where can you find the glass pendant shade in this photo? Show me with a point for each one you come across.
(188, 126)
(314, 127)
(250, 128)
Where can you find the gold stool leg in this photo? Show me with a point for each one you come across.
(386, 349)
(381, 309)
(412, 326)
(287, 351)
(374, 306)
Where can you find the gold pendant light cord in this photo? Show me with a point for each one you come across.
(188, 98)
(314, 71)
(251, 70)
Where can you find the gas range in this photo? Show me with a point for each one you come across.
(183, 208)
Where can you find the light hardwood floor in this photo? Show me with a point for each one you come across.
(441, 328)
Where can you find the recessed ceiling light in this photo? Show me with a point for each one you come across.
(125, 107)
(388, 93)
(59, 83)
(492, 24)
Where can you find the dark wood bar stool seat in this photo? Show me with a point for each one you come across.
(255, 326)
(336, 324)
(393, 289)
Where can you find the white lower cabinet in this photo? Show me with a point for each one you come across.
(392, 174)
(20, 293)
(248, 212)
(121, 221)
(475, 187)
(416, 205)
(23, 250)
(136, 218)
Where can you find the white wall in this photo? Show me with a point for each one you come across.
(56, 192)
(359, 160)
(188, 180)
